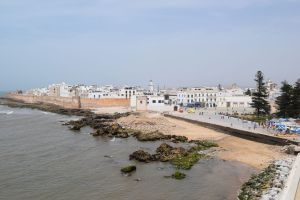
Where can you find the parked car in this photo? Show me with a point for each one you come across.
(191, 110)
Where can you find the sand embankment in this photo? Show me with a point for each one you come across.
(255, 154)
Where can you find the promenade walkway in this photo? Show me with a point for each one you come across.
(221, 120)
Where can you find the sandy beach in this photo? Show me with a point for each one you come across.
(255, 154)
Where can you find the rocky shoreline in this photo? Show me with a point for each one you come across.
(179, 157)
(268, 184)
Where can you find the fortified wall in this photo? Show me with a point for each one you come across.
(66, 102)
(72, 102)
(100, 103)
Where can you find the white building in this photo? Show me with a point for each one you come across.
(201, 96)
(129, 91)
(226, 100)
(67, 90)
(38, 92)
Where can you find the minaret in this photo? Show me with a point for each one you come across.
(151, 86)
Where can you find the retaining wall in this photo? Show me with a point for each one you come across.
(239, 133)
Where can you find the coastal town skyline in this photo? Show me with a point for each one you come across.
(144, 84)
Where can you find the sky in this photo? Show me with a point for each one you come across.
(173, 42)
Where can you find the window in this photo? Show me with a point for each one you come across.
(141, 102)
(153, 101)
(159, 101)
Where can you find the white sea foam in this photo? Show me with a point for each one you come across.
(6, 112)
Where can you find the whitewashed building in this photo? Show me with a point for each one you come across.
(226, 100)
(201, 96)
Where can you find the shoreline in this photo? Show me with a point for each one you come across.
(255, 154)
(231, 148)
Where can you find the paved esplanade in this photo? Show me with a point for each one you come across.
(210, 116)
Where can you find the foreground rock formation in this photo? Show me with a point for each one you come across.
(180, 157)
(268, 184)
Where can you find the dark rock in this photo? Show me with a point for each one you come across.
(128, 169)
(178, 175)
(177, 139)
(76, 127)
(166, 152)
(141, 156)
(152, 136)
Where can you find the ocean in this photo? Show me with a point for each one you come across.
(41, 159)
(2, 93)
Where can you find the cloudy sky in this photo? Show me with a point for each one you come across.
(173, 42)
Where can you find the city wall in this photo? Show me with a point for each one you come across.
(72, 102)
(100, 103)
(66, 102)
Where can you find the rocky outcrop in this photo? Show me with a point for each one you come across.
(178, 138)
(163, 153)
(151, 136)
(111, 130)
(166, 152)
(283, 168)
(157, 135)
(141, 156)
(178, 156)
(268, 184)
(128, 169)
(289, 149)
(178, 175)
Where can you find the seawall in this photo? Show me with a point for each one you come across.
(72, 102)
(239, 133)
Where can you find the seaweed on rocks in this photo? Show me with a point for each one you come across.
(253, 189)
(150, 136)
(186, 162)
(128, 169)
(141, 156)
(166, 152)
(177, 156)
(178, 175)
(201, 145)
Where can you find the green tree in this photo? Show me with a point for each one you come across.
(284, 101)
(248, 92)
(296, 100)
(259, 102)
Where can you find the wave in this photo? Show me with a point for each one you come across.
(6, 112)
